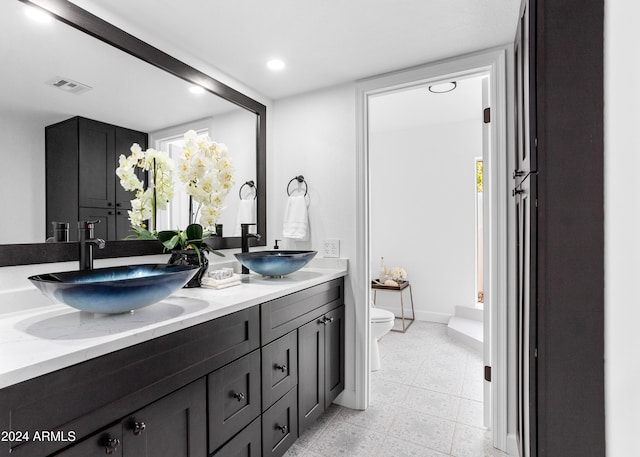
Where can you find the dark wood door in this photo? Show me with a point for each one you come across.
(97, 164)
(311, 373)
(176, 425)
(334, 355)
(525, 195)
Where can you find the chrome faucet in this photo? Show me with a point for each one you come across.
(87, 242)
(245, 235)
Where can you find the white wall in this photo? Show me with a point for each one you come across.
(22, 187)
(314, 135)
(423, 212)
(622, 228)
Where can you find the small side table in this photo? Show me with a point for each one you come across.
(400, 289)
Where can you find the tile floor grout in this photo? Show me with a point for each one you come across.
(419, 405)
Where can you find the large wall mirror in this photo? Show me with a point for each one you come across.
(129, 84)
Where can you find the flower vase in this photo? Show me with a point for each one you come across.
(190, 257)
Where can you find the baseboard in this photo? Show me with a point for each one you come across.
(468, 331)
(429, 316)
(512, 445)
(470, 312)
(347, 399)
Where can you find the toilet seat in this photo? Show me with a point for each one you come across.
(378, 315)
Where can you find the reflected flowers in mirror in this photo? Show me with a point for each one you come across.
(159, 186)
(207, 173)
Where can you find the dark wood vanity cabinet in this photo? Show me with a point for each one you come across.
(174, 426)
(316, 317)
(223, 388)
(81, 161)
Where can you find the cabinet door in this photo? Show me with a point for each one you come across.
(124, 139)
(97, 164)
(279, 425)
(334, 355)
(175, 425)
(233, 398)
(279, 368)
(106, 228)
(106, 442)
(311, 376)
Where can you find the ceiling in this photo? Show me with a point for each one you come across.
(323, 43)
(417, 107)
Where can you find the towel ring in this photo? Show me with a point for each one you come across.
(300, 180)
(252, 185)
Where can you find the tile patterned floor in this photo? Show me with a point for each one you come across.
(426, 401)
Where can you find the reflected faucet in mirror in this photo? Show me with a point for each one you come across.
(87, 241)
(245, 235)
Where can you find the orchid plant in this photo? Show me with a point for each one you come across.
(207, 173)
(159, 191)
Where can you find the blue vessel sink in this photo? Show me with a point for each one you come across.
(275, 263)
(116, 289)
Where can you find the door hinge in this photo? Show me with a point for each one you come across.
(487, 373)
(486, 114)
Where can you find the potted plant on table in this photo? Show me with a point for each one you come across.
(205, 170)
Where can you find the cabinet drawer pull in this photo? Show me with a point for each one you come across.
(239, 396)
(282, 367)
(325, 320)
(111, 445)
(138, 428)
(282, 428)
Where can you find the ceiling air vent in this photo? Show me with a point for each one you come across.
(68, 85)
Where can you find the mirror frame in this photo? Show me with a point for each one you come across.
(78, 18)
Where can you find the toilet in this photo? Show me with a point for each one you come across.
(381, 323)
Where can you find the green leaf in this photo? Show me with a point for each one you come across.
(171, 243)
(194, 232)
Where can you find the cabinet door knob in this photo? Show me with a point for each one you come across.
(282, 367)
(111, 445)
(110, 213)
(330, 319)
(109, 204)
(138, 428)
(239, 396)
(282, 428)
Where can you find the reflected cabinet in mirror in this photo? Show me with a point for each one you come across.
(75, 95)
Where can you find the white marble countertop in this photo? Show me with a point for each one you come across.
(38, 337)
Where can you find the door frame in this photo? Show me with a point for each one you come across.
(498, 278)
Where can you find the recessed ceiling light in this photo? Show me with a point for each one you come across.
(275, 64)
(37, 14)
(196, 90)
(442, 88)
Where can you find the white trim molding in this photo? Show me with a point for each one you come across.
(493, 63)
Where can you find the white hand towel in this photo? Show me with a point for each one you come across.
(246, 214)
(296, 218)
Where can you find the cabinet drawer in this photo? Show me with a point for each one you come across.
(285, 314)
(279, 368)
(247, 443)
(233, 398)
(280, 425)
(106, 442)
